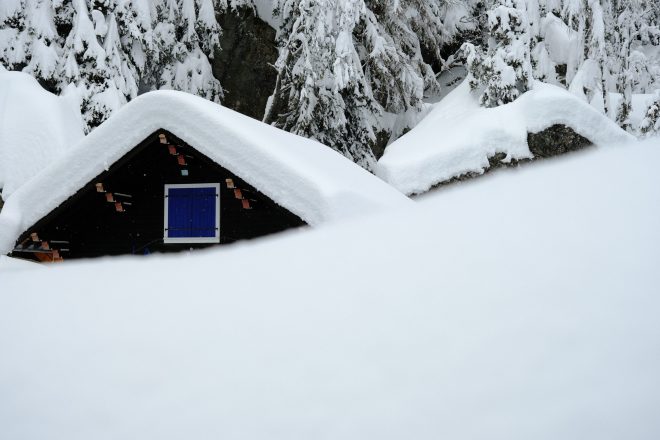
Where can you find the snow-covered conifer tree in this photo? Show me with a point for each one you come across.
(396, 80)
(84, 64)
(135, 20)
(544, 67)
(626, 18)
(503, 71)
(361, 109)
(321, 91)
(391, 48)
(43, 42)
(28, 38)
(598, 48)
(414, 26)
(186, 36)
(651, 123)
(587, 71)
(13, 33)
(106, 48)
(403, 41)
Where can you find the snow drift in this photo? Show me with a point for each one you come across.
(458, 136)
(35, 128)
(519, 306)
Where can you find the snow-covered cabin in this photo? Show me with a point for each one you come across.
(36, 127)
(460, 138)
(172, 171)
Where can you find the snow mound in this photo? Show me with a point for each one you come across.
(35, 128)
(304, 176)
(458, 135)
(536, 321)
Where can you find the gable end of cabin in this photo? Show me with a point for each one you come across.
(161, 196)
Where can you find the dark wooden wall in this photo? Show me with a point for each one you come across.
(92, 226)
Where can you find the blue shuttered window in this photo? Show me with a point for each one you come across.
(191, 214)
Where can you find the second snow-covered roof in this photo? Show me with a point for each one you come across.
(304, 176)
(458, 135)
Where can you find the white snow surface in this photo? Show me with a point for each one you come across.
(36, 127)
(458, 135)
(523, 305)
(304, 176)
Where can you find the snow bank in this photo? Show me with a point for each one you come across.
(304, 176)
(519, 306)
(35, 128)
(458, 135)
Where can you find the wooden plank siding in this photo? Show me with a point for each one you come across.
(94, 227)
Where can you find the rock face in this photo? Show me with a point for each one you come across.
(556, 140)
(244, 63)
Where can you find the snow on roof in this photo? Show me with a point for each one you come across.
(536, 321)
(304, 176)
(35, 128)
(459, 135)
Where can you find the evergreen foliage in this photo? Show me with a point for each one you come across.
(322, 92)
(187, 34)
(651, 123)
(345, 64)
(103, 50)
(503, 70)
(347, 69)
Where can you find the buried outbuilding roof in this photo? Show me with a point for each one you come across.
(458, 135)
(305, 177)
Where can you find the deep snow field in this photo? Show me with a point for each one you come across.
(522, 305)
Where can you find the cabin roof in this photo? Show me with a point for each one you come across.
(305, 177)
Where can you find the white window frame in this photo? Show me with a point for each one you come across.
(191, 240)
